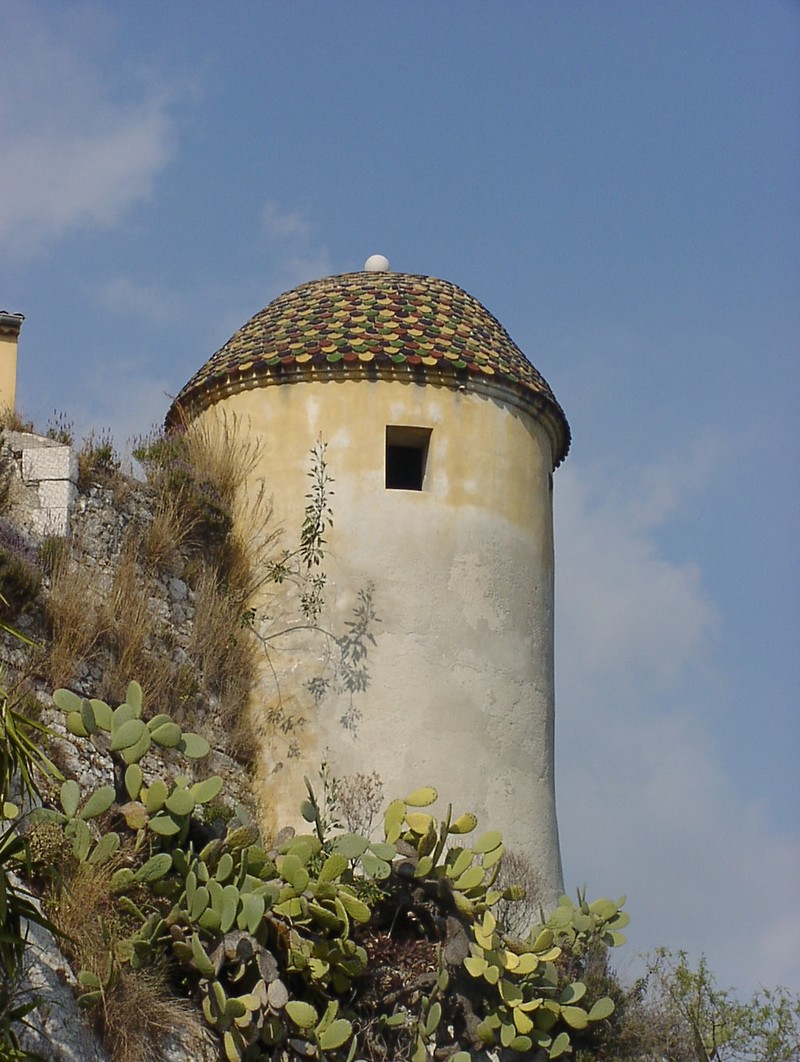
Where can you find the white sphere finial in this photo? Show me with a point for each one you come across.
(376, 263)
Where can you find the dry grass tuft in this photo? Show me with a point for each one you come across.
(518, 915)
(225, 651)
(171, 526)
(81, 905)
(128, 621)
(221, 454)
(12, 420)
(131, 638)
(116, 631)
(251, 550)
(139, 1012)
(198, 472)
(76, 623)
(20, 573)
(217, 533)
(138, 1008)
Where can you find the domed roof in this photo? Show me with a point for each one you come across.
(374, 325)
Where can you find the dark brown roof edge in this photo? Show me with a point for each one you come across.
(544, 409)
(10, 323)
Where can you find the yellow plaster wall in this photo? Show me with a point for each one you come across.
(8, 371)
(460, 688)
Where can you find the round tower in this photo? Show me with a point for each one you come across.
(441, 439)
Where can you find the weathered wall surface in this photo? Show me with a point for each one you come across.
(460, 681)
(48, 477)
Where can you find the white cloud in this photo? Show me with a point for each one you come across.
(72, 155)
(285, 225)
(293, 236)
(624, 611)
(128, 295)
(645, 804)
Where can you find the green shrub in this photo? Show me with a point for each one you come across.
(677, 1010)
(97, 459)
(20, 574)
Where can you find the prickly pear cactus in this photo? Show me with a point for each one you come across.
(327, 944)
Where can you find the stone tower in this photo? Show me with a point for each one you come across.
(441, 442)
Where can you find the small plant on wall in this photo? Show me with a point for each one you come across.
(344, 668)
(98, 460)
(20, 572)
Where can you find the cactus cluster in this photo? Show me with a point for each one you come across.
(524, 1005)
(510, 990)
(128, 733)
(577, 926)
(163, 808)
(273, 939)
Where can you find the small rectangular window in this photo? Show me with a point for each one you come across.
(406, 457)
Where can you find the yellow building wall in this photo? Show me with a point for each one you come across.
(8, 370)
(460, 679)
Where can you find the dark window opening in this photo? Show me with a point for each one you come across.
(404, 468)
(406, 457)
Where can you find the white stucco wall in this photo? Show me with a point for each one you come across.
(49, 472)
(460, 689)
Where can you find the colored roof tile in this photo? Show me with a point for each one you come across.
(374, 325)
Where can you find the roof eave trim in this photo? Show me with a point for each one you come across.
(542, 407)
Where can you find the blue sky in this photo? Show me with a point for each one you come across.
(618, 182)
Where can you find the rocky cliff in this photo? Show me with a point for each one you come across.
(113, 595)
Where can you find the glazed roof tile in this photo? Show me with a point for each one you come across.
(374, 325)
